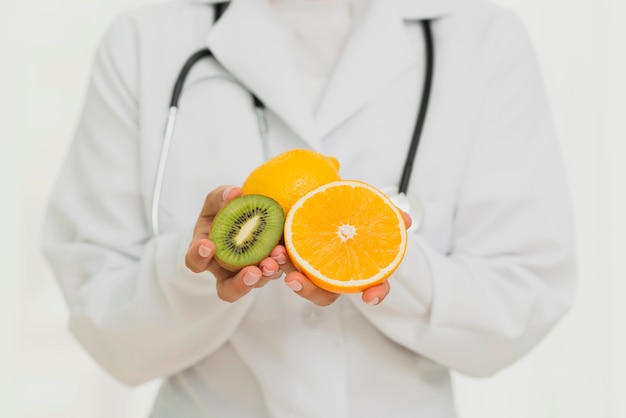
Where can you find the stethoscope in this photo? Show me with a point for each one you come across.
(398, 194)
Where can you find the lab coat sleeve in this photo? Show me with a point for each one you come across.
(510, 272)
(133, 303)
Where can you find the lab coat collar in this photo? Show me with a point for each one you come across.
(426, 9)
(259, 57)
(409, 9)
(257, 53)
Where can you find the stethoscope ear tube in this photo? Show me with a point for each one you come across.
(169, 132)
(171, 123)
(193, 59)
(409, 202)
(182, 76)
(158, 182)
(421, 116)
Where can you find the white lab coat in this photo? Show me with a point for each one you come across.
(486, 277)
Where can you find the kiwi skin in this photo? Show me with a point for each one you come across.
(264, 220)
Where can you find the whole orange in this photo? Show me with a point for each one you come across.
(290, 175)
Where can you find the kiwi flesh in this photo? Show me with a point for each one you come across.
(246, 230)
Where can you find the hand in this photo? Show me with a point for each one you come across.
(304, 287)
(230, 286)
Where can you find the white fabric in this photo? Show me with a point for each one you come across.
(320, 30)
(486, 277)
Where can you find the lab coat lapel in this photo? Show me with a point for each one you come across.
(378, 51)
(255, 48)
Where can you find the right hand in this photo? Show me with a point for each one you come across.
(304, 287)
(230, 286)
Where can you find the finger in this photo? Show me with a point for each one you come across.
(217, 198)
(279, 254)
(199, 255)
(213, 202)
(305, 288)
(408, 221)
(270, 270)
(376, 294)
(234, 288)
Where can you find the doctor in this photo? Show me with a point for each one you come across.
(487, 275)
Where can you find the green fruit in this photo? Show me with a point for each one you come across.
(246, 230)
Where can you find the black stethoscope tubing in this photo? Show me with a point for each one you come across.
(421, 115)
(191, 62)
(260, 107)
(184, 72)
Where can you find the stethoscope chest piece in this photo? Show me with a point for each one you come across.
(409, 203)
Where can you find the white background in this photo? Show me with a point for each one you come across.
(46, 47)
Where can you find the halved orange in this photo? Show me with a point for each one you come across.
(345, 236)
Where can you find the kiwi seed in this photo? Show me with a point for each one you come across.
(246, 230)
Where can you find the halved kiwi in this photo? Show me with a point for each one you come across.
(246, 230)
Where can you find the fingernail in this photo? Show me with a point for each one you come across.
(373, 302)
(268, 273)
(250, 279)
(281, 259)
(294, 285)
(226, 192)
(204, 251)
